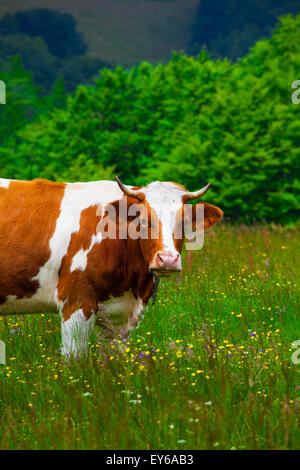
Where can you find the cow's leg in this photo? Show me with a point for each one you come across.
(75, 332)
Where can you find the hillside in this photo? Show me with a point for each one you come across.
(128, 32)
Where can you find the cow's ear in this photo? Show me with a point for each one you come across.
(212, 215)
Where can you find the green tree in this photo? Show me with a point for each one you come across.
(229, 29)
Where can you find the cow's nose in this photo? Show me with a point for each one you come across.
(166, 261)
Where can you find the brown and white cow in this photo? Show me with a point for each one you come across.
(54, 258)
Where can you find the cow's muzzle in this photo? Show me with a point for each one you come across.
(165, 263)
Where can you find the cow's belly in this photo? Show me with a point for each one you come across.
(124, 313)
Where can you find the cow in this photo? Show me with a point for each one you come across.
(55, 258)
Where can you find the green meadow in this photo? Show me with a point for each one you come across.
(210, 366)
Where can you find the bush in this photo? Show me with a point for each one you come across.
(23, 100)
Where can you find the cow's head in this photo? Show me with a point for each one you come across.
(162, 211)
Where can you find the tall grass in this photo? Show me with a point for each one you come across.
(209, 368)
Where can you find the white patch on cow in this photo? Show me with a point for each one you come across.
(166, 199)
(79, 261)
(4, 183)
(75, 334)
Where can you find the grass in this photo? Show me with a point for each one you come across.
(209, 368)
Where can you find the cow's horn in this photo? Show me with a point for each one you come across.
(129, 192)
(195, 195)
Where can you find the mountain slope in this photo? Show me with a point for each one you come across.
(125, 32)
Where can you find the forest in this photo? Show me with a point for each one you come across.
(193, 120)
